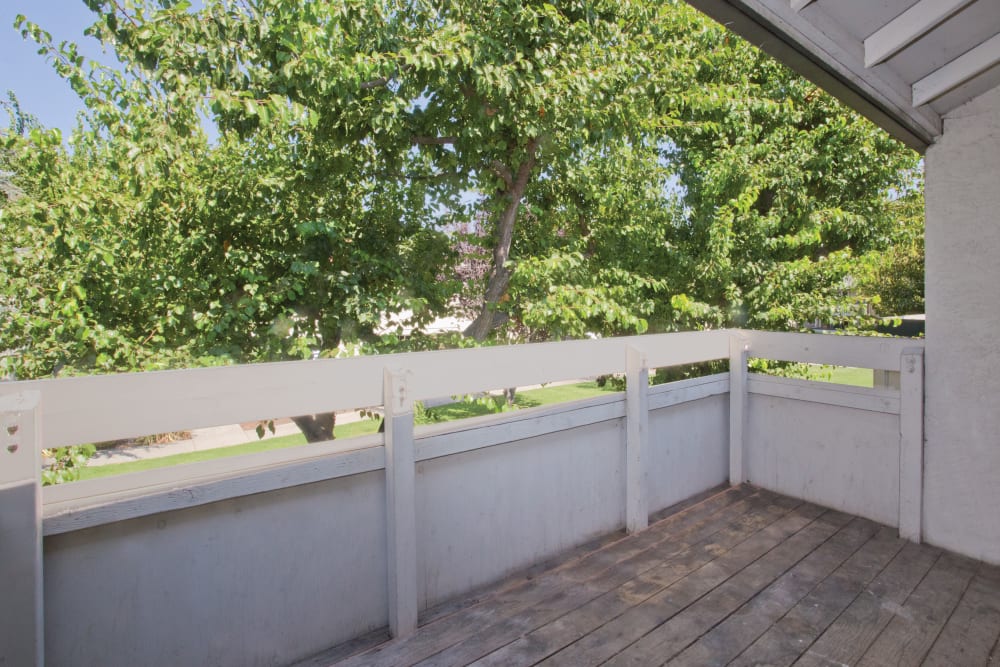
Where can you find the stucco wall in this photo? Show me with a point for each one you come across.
(962, 417)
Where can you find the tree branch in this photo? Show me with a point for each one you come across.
(381, 82)
(503, 171)
(433, 141)
(499, 279)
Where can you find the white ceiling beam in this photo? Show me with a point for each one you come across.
(967, 66)
(799, 5)
(908, 27)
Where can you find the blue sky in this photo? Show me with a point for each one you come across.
(37, 86)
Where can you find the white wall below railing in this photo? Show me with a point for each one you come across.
(834, 445)
(267, 558)
(493, 495)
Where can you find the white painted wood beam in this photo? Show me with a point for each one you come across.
(737, 408)
(636, 440)
(908, 27)
(108, 407)
(400, 489)
(799, 5)
(21, 614)
(833, 349)
(911, 444)
(958, 71)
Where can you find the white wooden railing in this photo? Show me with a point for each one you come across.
(68, 411)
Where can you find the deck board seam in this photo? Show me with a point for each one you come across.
(764, 498)
(808, 593)
(766, 586)
(646, 599)
(670, 529)
(906, 599)
(723, 582)
(658, 590)
(497, 589)
(958, 603)
(833, 621)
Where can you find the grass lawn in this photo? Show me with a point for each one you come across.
(859, 377)
(530, 398)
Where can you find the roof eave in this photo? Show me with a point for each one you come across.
(806, 58)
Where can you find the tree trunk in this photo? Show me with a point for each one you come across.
(318, 427)
(496, 286)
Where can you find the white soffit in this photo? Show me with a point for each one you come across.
(902, 63)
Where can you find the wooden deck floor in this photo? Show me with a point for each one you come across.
(736, 577)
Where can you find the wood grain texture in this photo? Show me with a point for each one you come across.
(910, 635)
(521, 593)
(974, 627)
(849, 636)
(742, 627)
(741, 577)
(785, 641)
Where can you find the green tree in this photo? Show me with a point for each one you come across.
(767, 207)
(638, 167)
(149, 246)
(785, 192)
(471, 97)
(894, 283)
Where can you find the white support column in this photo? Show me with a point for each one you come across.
(911, 443)
(400, 491)
(737, 408)
(21, 618)
(636, 440)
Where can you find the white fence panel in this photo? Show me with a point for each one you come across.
(252, 581)
(839, 457)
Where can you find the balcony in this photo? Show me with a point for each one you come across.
(326, 550)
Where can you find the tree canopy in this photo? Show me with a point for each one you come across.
(263, 179)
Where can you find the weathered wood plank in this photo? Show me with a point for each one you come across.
(741, 577)
(640, 619)
(546, 636)
(679, 631)
(847, 639)
(346, 650)
(973, 629)
(741, 628)
(784, 642)
(523, 593)
(909, 636)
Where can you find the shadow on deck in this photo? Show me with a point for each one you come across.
(738, 576)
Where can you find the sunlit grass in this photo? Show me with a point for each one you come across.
(525, 399)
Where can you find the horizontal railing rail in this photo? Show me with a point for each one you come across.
(877, 352)
(51, 413)
(109, 407)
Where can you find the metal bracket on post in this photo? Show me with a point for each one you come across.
(738, 353)
(400, 489)
(636, 440)
(911, 443)
(21, 618)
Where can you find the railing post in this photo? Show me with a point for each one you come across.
(737, 408)
(911, 443)
(21, 619)
(636, 440)
(400, 492)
